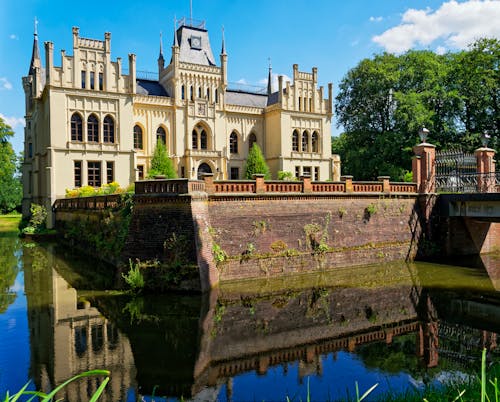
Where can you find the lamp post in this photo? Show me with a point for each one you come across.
(485, 138)
(423, 133)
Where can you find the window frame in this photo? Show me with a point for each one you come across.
(94, 173)
(138, 137)
(108, 130)
(93, 128)
(233, 143)
(76, 127)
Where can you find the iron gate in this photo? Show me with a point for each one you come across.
(456, 172)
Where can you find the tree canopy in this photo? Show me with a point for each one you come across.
(10, 182)
(256, 164)
(385, 100)
(161, 164)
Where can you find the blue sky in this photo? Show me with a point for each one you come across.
(331, 35)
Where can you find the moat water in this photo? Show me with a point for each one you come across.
(401, 326)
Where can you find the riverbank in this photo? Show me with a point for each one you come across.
(9, 224)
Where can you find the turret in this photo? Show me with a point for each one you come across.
(35, 66)
(269, 80)
(223, 64)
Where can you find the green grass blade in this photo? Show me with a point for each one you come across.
(99, 391)
(460, 394)
(367, 392)
(15, 397)
(483, 376)
(357, 391)
(91, 373)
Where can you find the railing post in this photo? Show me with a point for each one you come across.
(486, 180)
(306, 184)
(424, 167)
(386, 186)
(348, 183)
(259, 183)
(208, 178)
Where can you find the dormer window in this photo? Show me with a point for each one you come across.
(195, 42)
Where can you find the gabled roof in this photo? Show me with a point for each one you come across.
(194, 46)
(148, 87)
(241, 98)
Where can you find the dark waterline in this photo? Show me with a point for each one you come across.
(399, 325)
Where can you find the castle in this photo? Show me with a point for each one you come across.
(93, 121)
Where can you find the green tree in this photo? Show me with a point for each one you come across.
(161, 164)
(10, 183)
(256, 164)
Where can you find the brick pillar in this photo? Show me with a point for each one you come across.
(306, 184)
(259, 183)
(386, 186)
(424, 168)
(208, 178)
(348, 183)
(485, 170)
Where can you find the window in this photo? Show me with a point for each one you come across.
(199, 92)
(310, 105)
(83, 79)
(306, 171)
(78, 173)
(203, 140)
(76, 127)
(191, 93)
(316, 173)
(92, 80)
(161, 135)
(314, 142)
(110, 172)
(140, 172)
(92, 129)
(252, 139)
(30, 150)
(194, 139)
(216, 96)
(183, 92)
(97, 337)
(233, 143)
(112, 335)
(295, 140)
(208, 93)
(300, 103)
(235, 173)
(183, 171)
(101, 82)
(138, 137)
(108, 131)
(94, 174)
(80, 340)
(297, 171)
(305, 141)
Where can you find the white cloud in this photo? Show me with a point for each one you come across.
(13, 36)
(440, 50)
(13, 121)
(242, 81)
(376, 19)
(458, 24)
(5, 84)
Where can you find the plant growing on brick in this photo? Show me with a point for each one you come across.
(134, 277)
(218, 253)
(278, 246)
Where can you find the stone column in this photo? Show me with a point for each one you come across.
(259, 183)
(386, 185)
(348, 183)
(485, 170)
(424, 167)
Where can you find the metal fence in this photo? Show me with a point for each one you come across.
(456, 172)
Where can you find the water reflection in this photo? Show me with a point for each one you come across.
(407, 323)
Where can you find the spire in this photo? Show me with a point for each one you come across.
(35, 55)
(269, 80)
(161, 47)
(176, 41)
(223, 50)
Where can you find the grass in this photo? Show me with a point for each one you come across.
(9, 224)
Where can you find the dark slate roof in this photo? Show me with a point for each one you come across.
(241, 98)
(147, 87)
(273, 98)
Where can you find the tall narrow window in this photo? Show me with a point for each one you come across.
(92, 129)
(92, 80)
(94, 173)
(300, 103)
(138, 137)
(161, 135)
(316, 173)
(306, 171)
(295, 140)
(83, 79)
(80, 340)
(97, 336)
(203, 140)
(76, 127)
(199, 92)
(140, 172)
(314, 142)
(108, 132)
(194, 139)
(297, 171)
(216, 96)
(101, 81)
(183, 92)
(78, 173)
(191, 93)
(235, 173)
(305, 141)
(233, 143)
(110, 172)
(30, 150)
(208, 93)
(252, 139)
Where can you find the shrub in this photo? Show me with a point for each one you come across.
(256, 164)
(287, 176)
(134, 277)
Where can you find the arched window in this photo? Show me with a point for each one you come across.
(161, 135)
(233, 143)
(203, 140)
(108, 130)
(202, 169)
(305, 141)
(138, 137)
(92, 129)
(194, 139)
(76, 127)
(314, 142)
(252, 139)
(295, 141)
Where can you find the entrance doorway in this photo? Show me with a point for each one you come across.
(202, 169)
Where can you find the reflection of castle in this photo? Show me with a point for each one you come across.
(69, 337)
